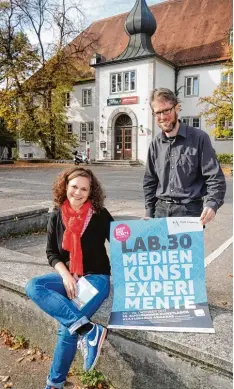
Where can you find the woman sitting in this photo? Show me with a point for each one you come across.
(77, 230)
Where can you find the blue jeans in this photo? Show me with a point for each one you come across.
(49, 294)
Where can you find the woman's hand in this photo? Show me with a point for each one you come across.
(70, 285)
(69, 281)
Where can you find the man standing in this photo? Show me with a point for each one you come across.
(182, 176)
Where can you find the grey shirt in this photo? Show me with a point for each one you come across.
(184, 168)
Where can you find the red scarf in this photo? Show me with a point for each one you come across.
(74, 223)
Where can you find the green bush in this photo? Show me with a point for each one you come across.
(93, 378)
(225, 158)
(15, 155)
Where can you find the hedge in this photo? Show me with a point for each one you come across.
(225, 158)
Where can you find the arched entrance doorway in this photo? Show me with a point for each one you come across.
(123, 137)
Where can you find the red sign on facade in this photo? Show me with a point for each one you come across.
(129, 100)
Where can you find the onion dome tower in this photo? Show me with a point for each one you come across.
(140, 25)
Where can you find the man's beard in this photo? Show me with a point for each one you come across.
(171, 127)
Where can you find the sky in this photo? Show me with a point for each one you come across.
(100, 9)
(93, 10)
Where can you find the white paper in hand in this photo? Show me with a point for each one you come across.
(86, 291)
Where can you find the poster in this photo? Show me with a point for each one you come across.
(159, 275)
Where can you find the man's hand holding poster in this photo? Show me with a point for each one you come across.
(158, 275)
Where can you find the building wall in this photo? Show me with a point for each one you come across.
(165, 75)
(209, 79)
(150, 74)
(77, 114)
(165, 78)
(108, 114)
(29, 150)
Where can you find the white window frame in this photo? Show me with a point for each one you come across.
(228, 78)
(120, 84)
(87, 132)
(190, 119)
(69, 128)
(67, 99)
(226, 124)
(192, 94)
(86, 97)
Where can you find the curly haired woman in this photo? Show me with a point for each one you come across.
(77, 230)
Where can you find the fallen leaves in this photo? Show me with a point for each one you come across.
(14, 343)
(8, 385)
(18, 346)
(8, 339)
(4, 380)
(20, 360)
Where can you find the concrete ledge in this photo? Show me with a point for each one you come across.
(131, 359)
(29, 220)
(7, 162)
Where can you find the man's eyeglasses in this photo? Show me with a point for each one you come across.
(164, 112)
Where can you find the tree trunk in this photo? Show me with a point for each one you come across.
(51, 123)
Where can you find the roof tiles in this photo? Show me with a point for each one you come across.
(188, 32)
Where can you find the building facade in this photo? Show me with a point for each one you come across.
(111, 112)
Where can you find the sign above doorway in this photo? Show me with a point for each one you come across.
(122, 101)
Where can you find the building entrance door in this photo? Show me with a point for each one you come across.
(123, 137)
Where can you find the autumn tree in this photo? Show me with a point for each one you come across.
(35, 77)
(218, 109)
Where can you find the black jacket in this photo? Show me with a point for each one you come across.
(95, 259)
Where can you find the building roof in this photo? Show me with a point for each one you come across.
(189, 32)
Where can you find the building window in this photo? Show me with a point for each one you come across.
(87, 131)
(191, 86)
(67, 100)
(227, 77)
(83, 134)
(196, 122)
(69, 128)
(90, 131)
(231, 37)
(226, 130)
(129, 81)
(193, 121)
(185, 121)
(29, 155)
(86, 97)
(123, 82)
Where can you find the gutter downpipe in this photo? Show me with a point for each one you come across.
(176, 79)
(154, 87)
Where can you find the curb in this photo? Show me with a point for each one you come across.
(23, 222)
